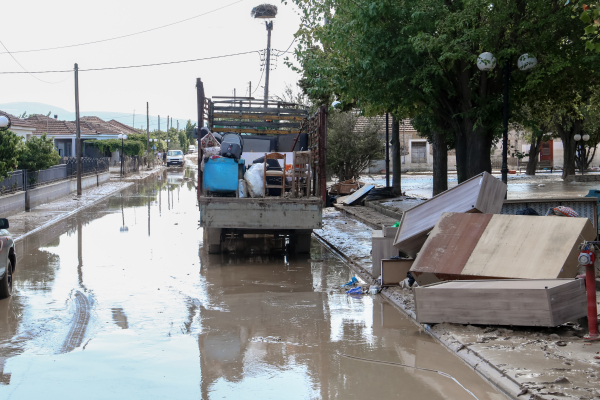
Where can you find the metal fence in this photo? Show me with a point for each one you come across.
(46, 176)
(22, 179)
(131, 164)
(13, 183)
(89, 165)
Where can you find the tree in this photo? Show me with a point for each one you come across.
(351, 149)
(416, 58)
(590, 15)
(38, 153)
(9, 144)
(183, 141)
(189, 131)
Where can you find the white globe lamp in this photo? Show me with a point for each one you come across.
(526, 61)
(486, 61)
(577, 137)
(586, 137)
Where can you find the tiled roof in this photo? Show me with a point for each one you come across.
(124, 128)
(55, 127)
(98, 125)
(17, 122)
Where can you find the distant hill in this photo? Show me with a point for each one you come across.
(18, 108)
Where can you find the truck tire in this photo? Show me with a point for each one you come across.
(6, 284)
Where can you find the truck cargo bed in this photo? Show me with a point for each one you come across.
(270, 213)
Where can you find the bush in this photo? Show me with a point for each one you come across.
(9, 148)
(38, 153)
(350, 151)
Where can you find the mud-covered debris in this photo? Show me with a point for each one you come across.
(562, 380)
(561, 343)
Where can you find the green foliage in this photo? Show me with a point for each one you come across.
(38, 153)
(183, 141)
(590, 16)
(350, 151)
(189, 131)
(9, 144)
(417, 59)
(134, 145)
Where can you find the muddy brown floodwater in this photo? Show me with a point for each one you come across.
(121, 301)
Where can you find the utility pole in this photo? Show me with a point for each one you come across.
(78, 132)
(387, 150)
(200, 107)
(133, 119)
(147, 131)
(250, 93)
(159, 127)
(269, 26)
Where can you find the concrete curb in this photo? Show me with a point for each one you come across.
(483, 367)
(71, 213)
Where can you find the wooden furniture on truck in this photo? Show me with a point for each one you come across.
(301, 173)
(274, 173)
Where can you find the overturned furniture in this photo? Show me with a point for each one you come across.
(523, 302)
(394, 271)
(382, 247)
(481, 194)
(486, 246)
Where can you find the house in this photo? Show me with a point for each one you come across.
(417, 152)
(21, 127)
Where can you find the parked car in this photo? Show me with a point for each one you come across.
(174, 157)
(191, 148)
(8, 260)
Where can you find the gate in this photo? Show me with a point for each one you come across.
(418, 152)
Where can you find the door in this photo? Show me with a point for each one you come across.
(547, 151)
(418, 154)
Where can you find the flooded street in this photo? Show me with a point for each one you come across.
(121, 301)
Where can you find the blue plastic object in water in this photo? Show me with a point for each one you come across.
(356, 290)
(221, 175)
(352, 282)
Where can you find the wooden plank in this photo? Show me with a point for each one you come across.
(276, 111)
(389, 231)
(450, 244)
(499, 302)
(358, 195)
(241, 115)
(263, 131)
(289, 125)
(394, 271)
(529, 247)
(482, 193)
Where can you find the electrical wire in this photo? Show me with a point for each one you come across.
(283, 52)
(410, 366)
(125, 36)
(131, 66)
(25, 69)
(259, 81)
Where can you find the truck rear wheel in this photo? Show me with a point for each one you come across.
(6, 284)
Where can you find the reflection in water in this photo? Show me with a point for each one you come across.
(151, 313)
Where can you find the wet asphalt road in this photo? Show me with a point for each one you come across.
(121, 302)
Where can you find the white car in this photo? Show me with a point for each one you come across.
(8, 260)
(174, 157)
(191, 148)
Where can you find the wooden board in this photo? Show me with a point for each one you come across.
(248, 130)
(394, 271)
(358, 195)
(389, 231)
(381, 248)
(258, 116)
(482, 193)
(484, 246)
(536, 302)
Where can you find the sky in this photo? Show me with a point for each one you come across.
(170, 89)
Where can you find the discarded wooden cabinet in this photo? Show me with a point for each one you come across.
(485, 246)
(381, 248)
(522, 302)
(481, 194)
(394, 271)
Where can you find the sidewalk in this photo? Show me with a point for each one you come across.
(24, 224)
(540, 363)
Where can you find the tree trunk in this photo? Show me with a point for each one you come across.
(440, 163)
(569, 143)
(461, 157)
(478, 152)
(396, 157)
(534, 150)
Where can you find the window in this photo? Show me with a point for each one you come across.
(175, 153)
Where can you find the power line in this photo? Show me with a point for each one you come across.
(131, 66)
(259, 81)
(282, 52)
(25, 69)
(124, 36)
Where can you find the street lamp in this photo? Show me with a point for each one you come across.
(122, 136)
(4, 123)
(486, 62)
(577, 138)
